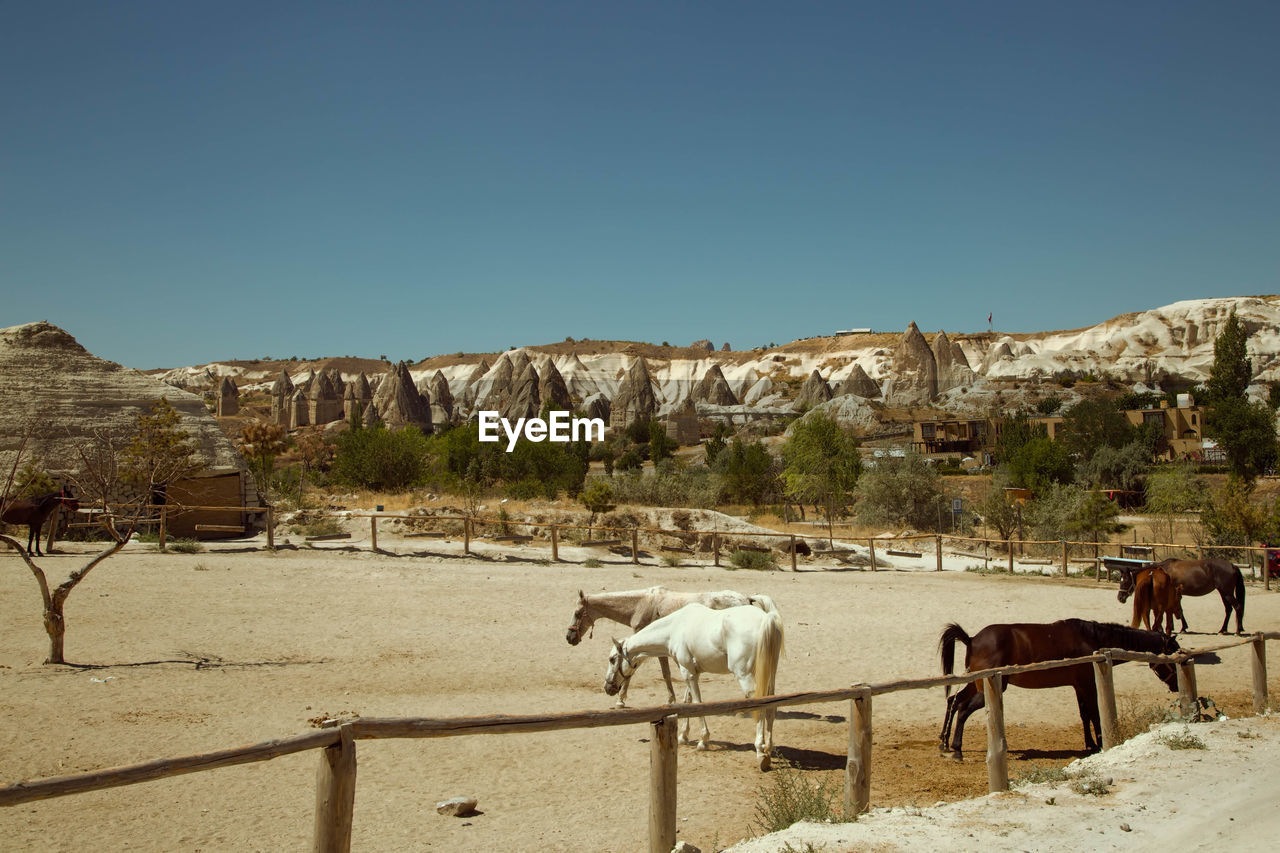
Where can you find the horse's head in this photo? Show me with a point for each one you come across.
(1126, 584)
(1167, 672)
(621, 668)
(581, 624)
(69, 501)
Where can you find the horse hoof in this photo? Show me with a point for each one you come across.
(765, 763)
(702, 746)
(953, 756)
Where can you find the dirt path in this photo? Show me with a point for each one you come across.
(282, 639)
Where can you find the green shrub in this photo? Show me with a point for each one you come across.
(670, 560)
(788, 796)
(323, 526)
(1039, 773)
(592, 563)
(380, 459)
(1181, 740)
(184, 546)
(752, 560)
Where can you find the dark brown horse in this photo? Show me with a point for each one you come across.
(1199, 577)
(1156, 598)
(1027, 642)
(33, 512)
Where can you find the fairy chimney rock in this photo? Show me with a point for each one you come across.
(635, 399)
(552, 388)
(952, 366)
(299, 411)
(713, 388)
(859, 384)
(228, 402)
(813, 392)
(281, 398)
(324, 400)
(357, 396)
(523, 401)
(913, 371)
(441, 398)
(703, 344)
(398, 402)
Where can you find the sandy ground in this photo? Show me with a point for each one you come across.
(234, 645)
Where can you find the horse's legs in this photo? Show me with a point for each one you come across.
(695, 695)
(961, 707)
(666, 676)
(1090, 718)
(33, 535)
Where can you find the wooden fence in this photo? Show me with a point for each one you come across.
(336, 778)
(991, 549)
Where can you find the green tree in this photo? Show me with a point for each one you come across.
(1172, 491)
(1116, 467)
(597, 497)
(661, 445)
(1246, 431)
(821, 465)
(160, 451)
(901, 490)
(260, 444)
(1091, 425)
(747, 473)
(1039, 463)
(1095, 516)
(996, 508)
(381, 459)
(1233, 517)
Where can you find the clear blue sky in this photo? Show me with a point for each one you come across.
(184, 182)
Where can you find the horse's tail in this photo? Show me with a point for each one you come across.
(765, 603)
(947, 648)
(768, 649)
(1143, 587)
(1240, 594)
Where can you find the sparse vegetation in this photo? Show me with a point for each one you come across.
(1181, 740)
(789, 796)
(184, 546)
(1090, 784)
(592, 563)
(322, 526)
(759, 560)
(1039, 773)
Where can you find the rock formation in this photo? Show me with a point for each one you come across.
(357, 396)
(703, 344)
(682, 426)
(228, 400)
(952, 367)
(398, 402)
(441, 399)
(523, 402)
(760, 389)
(913, 372)
(859, 384)
(635, 399)
(713, 388)
(494, 389)
(814, 392)
(323, 400)
(281, 398)
(299, 411)
(597, 406)
(552, 388)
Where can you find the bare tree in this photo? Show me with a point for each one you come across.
(121, 473)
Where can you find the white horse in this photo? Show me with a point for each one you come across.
(639, 607)
(745, 641)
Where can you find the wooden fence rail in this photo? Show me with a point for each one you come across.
(728, 538)
(336, 777)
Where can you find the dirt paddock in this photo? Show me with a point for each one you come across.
(206, 651)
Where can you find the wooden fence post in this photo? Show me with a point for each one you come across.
(635, 558)
(555, 543)
(871, 544)
(336, 794)
(1259, 666)
(857, 768)
(271, 529)
(662, 785)
(466, 535)
(53, 527)
(1187, 703)
(715, 547)
(373, 532)
(1064, 558)
(997, 747)
(1105, 682)
(1097, 563)
(939, 545)
(1010, 544)
(793, 553)
(164, 511)
(986, 554)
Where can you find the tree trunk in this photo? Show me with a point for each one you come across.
(56, 627)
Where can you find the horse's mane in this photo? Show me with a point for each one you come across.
(1109, 635)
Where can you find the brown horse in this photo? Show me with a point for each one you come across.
(1022, 643)
(33, 512)
(1155, 597)
(1199, 577)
